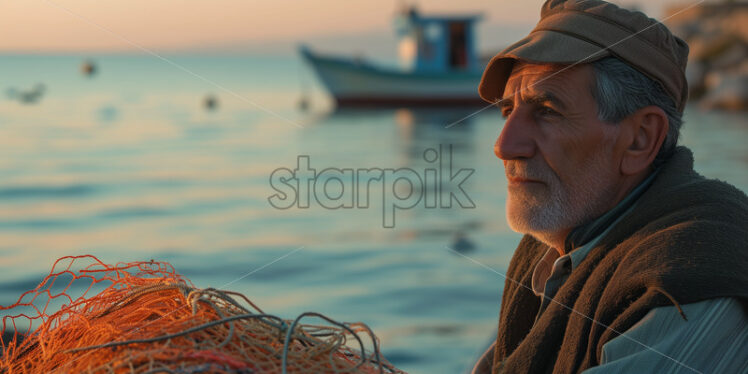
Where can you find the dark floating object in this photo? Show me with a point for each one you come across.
(31, 96)
(303, 104)
(210, 102)
(88, 68)
(462, 244)
(107, 113)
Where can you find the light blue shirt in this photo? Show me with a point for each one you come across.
(714, 339)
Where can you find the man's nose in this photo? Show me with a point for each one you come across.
(516, 140)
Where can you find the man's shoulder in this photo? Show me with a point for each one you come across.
(681, 199)
(684, 239)
(678, 182)
(688, 243)
(701, 201)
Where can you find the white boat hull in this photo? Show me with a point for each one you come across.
(360, 84)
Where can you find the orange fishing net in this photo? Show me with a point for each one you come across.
(143, 317)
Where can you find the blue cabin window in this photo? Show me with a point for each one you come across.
(436, 44)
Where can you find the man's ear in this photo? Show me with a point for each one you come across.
(646, 128)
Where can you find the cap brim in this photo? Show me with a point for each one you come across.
(540, 47)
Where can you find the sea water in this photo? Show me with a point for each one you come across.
(129, 165)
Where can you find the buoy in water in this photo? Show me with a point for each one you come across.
(88, 68)
(303, 104)
(210, 102)
(462, 244)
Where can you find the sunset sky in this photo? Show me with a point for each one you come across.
(43, 26)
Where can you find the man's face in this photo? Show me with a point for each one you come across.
(558, 156)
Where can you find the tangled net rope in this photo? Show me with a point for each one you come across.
(143, 317)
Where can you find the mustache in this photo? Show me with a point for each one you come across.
(528, 170)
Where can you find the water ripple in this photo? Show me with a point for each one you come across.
(51, 192)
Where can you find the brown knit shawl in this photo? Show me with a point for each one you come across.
(685, 241)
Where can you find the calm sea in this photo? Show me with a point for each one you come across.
(128, 165)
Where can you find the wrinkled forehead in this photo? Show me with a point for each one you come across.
(529, 77)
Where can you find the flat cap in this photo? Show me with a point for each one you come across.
(582, 31)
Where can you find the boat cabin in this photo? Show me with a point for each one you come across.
(436, 44)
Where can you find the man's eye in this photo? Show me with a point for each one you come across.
(546, 111)
(506, 112)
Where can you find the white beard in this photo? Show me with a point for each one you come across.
(549, 210)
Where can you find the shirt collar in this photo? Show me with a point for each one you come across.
(588, 235)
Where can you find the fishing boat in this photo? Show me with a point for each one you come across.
(438, 66)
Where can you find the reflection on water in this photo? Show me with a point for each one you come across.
(40, 192)
(417, 127)
(436, 143)
(131, 166)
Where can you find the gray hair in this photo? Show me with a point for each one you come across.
(620, 90)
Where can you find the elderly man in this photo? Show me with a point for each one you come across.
(631, 262)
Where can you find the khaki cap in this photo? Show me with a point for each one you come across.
(582, 31)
